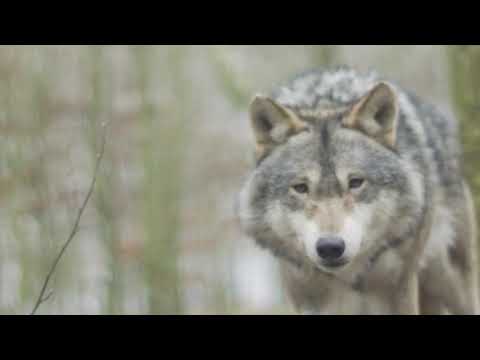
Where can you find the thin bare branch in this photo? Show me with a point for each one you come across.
(42, 297)
(47, 296)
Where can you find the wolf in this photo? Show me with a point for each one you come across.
(358, 191)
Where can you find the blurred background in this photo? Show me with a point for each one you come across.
(159, 235)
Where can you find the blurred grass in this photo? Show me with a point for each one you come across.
(98, 111)
(464, 63)
(165, 140)
(325, 55)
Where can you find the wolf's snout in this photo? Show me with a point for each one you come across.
(330, 248)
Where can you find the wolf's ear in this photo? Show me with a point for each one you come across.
(272, 123)
(376, 115)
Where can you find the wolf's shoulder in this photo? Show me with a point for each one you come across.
(442, 139)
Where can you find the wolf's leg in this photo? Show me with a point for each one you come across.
(442, 287)
(406, 301)
(431, 288)
(451, 279)
(431, 305)
(406, 296)
(472, 266)
(460, 299)
(461, 270)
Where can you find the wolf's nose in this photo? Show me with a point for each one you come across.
(330, 248)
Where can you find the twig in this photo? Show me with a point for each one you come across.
(42, 297)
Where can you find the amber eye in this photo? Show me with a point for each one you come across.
(300, 188)
(355, 183)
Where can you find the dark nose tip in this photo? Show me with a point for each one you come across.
(330, 248)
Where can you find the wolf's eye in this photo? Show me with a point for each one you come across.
(300, 188)
(355, 183)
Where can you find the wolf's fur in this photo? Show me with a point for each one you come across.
(409, 228)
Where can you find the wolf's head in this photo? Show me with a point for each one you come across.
(326, 186)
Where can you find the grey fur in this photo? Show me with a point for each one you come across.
(419, 179)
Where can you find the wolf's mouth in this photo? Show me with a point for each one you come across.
(334, 264)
